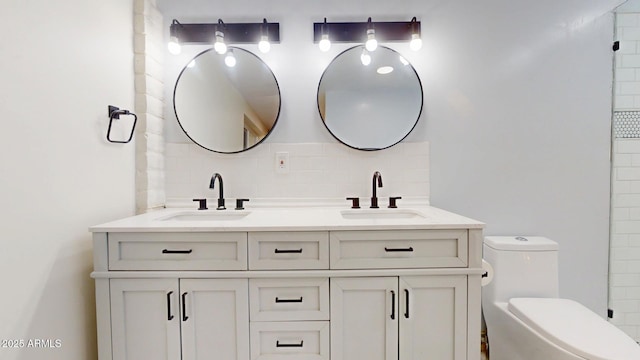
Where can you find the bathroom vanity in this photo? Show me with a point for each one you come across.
(289, 283)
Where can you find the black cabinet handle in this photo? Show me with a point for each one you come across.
(393, 305)
(406, 303)
(184, 307)
(169, 315)
(298, 251)
(289, 345)
(278, 300)
(166, 251)
(409, 249)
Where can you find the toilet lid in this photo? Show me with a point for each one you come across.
(573, 327)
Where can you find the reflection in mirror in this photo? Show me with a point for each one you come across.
(225, 108)
(370, 107)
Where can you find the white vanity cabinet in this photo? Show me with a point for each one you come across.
(332, 292)
(390, 318)
(175, 319)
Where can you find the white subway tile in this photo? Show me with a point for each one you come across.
(625, 75)
(622, 160)
(625, 305)
(627, 173)
(629, 60)
(627, 20)
(629, 33)
(620, 267)
(619, 240)
(620, 214)
(627, 146)
(626, 200)
(624, 102)
(628, 47)
(629, 88)
(631, 292)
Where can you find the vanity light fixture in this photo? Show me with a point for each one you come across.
(225, 34)
(368, 32)
(416, 42)
(174, 44)
(325, 43)
(264, 45)
(219, 46)
(404, 61)
(371, 44)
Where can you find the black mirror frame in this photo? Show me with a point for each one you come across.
(369, 149)
(275, 123)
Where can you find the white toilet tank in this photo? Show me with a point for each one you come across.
(524, 266)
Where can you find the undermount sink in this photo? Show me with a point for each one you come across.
(211, 215)
(381, 214)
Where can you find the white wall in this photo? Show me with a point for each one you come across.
(61, 64)
(517, 110)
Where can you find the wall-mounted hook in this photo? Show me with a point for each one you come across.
(114, 113)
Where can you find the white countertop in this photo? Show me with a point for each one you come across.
(313, 218)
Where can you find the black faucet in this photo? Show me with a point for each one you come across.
(374, 197)
(221, 196)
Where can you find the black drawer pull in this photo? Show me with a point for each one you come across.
(393, 305)
(184, 307)
(289, 345)
(409, 249)
(289, 300)
(298, 251)
(169, 315)
(166, 251)
(406, 304)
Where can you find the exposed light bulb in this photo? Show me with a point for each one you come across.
(264, 46)
(220, 47)
(174, 45)
(325, 43)
(365, 58)
(416, 42)
(230, 59)
(372, 43)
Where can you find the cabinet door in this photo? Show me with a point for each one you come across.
(433, 317)
(364, 318)
(215, 319)
(144, 319)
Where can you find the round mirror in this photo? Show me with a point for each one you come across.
(373, 106)
(225, 108)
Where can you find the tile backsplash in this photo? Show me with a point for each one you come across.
(317, 171)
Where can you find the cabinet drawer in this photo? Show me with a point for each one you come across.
(289, 299)
(301, 340)
(178, 251)
(398, 249)
(288, 250)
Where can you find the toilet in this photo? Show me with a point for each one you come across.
(526, 320)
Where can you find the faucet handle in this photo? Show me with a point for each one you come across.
(392, 201)
(202, 204)
(239, 204)
(355, 202)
